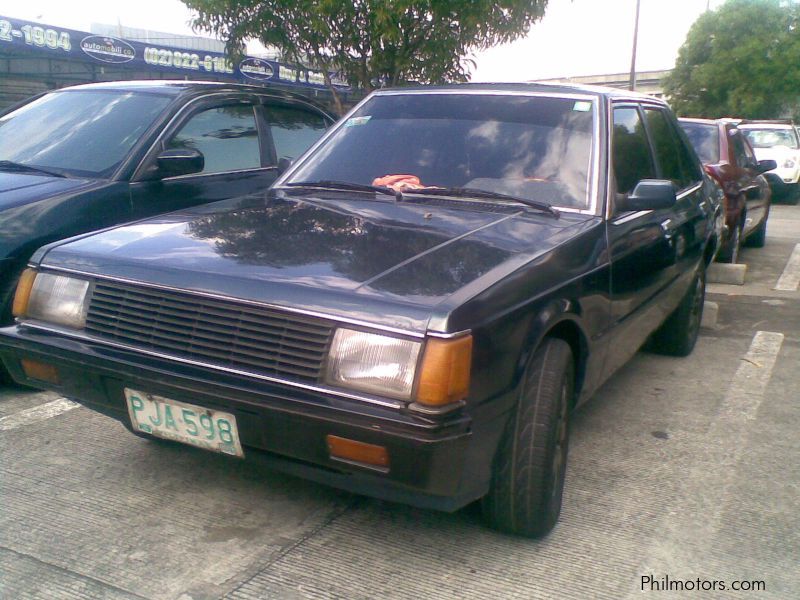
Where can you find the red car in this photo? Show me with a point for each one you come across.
(729, 159)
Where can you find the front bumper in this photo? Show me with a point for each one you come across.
(783, 179)
(442, 463)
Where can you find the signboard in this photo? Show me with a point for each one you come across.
(58, 42)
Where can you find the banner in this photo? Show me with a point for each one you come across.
(58, 42)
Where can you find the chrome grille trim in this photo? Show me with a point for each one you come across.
(337, 319)
(222, 332)
(80, 336)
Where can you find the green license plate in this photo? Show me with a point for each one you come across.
(205, 428)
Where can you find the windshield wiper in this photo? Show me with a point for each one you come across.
(465, 192)
(10, 165)
(344, 185)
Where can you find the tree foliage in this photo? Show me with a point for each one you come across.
(372, 42)
(740, 60)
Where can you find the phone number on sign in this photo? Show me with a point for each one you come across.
(162, 57)
(36, 36)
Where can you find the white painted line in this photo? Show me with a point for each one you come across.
(751, 378)
(709, 479)
(38, 413)
(790, 278)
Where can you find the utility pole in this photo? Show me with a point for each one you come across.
(632, 84)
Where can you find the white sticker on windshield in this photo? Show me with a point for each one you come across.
(353, 121)
(582, 106)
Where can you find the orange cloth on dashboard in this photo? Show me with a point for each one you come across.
(399, 182)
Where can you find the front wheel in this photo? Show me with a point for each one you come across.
(530, 465)
(678, 334)
(7, 289)
(758, 238)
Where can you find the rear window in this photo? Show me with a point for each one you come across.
(768, 138)
(705, 140)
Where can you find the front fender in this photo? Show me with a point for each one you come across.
(559, 318)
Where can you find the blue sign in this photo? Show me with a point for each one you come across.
(80, 45)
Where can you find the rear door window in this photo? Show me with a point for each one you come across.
(673, 156)
(745, 158)
(294, 130)
(705, 139)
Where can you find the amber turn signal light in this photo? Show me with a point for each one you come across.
(445, 371)
(23, 294)
(361, 452)
(40, 371)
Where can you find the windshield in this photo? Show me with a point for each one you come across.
(767, 138)
(80, 133)
(705, 139)
(533, 147)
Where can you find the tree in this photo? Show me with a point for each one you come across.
(372, 42)
(741, 60)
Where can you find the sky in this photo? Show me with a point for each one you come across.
(575, 37)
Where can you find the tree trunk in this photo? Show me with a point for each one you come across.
(337, 100)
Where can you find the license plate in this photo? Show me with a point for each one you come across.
(205, 428)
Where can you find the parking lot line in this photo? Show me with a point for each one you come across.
(790, 278)
(708, 481)
(37, 413)
(751, 379)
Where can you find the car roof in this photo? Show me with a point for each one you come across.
(532, 87)
(699, 121)
(180, 87)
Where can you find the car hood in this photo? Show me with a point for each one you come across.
(346, 255)
(19, 189)
(776, 153)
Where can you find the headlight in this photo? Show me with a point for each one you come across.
(388, 366)
(373, 363)
(789, 164)
(53, 298)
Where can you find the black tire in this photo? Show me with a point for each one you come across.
(729, 253)
(758, 237)
(7, 290)
(793, 194)
(678, 334)
(530, 464)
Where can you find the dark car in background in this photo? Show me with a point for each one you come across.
(413, 311)
(731, 161)
(91, 156)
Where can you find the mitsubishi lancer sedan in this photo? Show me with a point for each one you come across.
(412, 312)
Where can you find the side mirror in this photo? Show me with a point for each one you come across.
(766, 165)
(649, 194)
(180, 161)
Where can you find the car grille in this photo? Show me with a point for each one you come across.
(219, 332)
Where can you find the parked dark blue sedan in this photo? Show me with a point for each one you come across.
(91, 156)
(411, 312)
